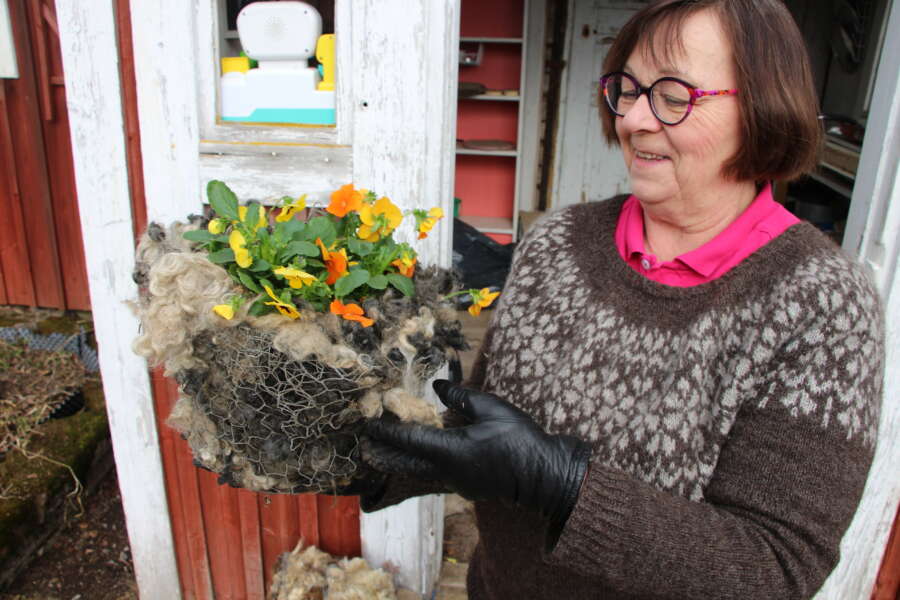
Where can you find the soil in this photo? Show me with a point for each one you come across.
(88, 559)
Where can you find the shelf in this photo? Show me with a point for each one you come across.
(831, 181)
(493, 97)
(489, 224)
(471, 152)
(490, 40)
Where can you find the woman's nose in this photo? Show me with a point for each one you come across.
(640, 117)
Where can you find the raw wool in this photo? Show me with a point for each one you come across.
(307, 573)
(182, 290)
(410, 408)
(273, 404)
(300, 574)
(199, 431)
(354, 579)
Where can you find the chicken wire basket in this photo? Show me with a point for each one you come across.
(273, 404)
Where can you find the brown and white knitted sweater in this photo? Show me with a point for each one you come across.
(732, 423)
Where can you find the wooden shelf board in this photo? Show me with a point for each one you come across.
(489, 224)
(492, 97)
(491, 40)
(471, 152)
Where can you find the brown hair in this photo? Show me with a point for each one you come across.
(777, 98)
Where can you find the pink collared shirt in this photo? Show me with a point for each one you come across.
(763, 221)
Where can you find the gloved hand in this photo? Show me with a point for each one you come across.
(501, 454)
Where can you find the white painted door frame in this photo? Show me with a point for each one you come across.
(873, 237)
(87, 32)
(397, 75)
(405, 63)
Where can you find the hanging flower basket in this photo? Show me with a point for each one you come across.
(285, 333)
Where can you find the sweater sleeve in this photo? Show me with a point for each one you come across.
(785, 488)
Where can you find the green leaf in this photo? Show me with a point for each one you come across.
(259, 308)
(222, 256)
(222, 200)
(265, 282)
(345, 285)
(252, 215)
(301, 248)
(199, 235)
(379, 282)
(259, 265)
(360, 247)
(232, 271)
(312, 262)
(404, 284)
(294, 229)
(322, 228)
(249, 282)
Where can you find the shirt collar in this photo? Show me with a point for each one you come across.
(708, 257)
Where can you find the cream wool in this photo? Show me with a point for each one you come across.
(732, 423)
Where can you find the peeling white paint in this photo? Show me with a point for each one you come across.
(89, 50)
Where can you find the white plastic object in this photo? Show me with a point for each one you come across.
(279, 31)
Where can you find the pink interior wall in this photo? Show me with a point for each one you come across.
(486, 184)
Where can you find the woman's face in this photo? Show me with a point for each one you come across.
(685, 162)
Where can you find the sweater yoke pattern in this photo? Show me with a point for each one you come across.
(655, 376)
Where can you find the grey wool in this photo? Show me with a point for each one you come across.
(732, 423)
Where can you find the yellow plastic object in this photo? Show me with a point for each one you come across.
(325, 56)
(235, 64)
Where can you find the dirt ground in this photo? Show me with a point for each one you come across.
(88, 559)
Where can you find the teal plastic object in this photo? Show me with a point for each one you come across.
(299, 116)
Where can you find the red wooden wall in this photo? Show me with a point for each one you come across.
(227, 541)
(41, 254)
(887, 585)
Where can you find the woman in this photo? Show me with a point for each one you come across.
(678, 395)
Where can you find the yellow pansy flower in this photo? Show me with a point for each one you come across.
(287, 213)
(226, 311)
(378, 219)
(296, 277)
(261, 222)
(239, 245)
(427, 224)
(285, 308)
(216, 226)
(481, 299)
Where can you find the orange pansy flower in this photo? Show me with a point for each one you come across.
(344, 200)
(406, 265)
(335, 262)
(351, 312)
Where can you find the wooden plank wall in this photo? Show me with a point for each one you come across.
(227, 541)
(41, 255)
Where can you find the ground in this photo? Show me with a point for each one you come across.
(88, 559)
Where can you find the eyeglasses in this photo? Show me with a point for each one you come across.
(671, 99)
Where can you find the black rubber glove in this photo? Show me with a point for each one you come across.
(501, 454)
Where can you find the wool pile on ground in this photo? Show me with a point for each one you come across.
(308, 573)
(274, 404)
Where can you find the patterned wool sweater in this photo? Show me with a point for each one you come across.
(732, 423)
